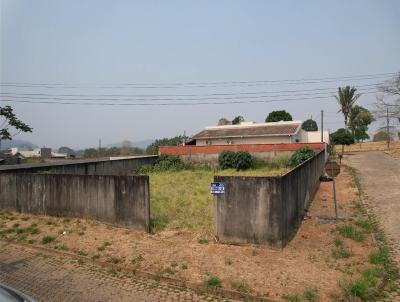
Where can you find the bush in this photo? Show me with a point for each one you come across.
(242, 160)
(169, 162)
(342, 137)
(300, 156)
(226, 159)
(236, 160)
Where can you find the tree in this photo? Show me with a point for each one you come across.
(66, 150)
(359, 120)
(223, 121)
(342, 137)
(174, 141)
(237, 120)
(10, 121)
(346, 98)
(309, 125)
(277, 116)
(381, 136)
(126, 147)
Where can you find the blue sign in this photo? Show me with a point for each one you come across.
(217, 188)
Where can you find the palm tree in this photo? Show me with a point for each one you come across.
(346, 98)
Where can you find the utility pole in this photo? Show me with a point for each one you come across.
(387, 126)
(322, 126)
(99, 144)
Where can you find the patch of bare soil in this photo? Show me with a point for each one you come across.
(307, 262)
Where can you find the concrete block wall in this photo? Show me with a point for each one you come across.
(120, 200)
(124, 166)
(265, 210)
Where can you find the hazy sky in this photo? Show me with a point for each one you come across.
(98, 47)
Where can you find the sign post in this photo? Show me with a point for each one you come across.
(333, 169)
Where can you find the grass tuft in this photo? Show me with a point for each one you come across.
(47, 239)
(351, 232)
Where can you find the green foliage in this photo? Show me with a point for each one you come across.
(213, 281)
(174, 141)
(346, 98)
(47, 239)
(223, 121)
(309, 125)
(66, 150)
(11, 120)
(360, 118)
(237, 120)
(350, 231)
(291, 297)
(300, 156)
(226, 159)
(169, 162)
(311, 294)
(342, 137)
(280, 115)
(113, 151)
(237, 160)
(380, 257)
(366, 224)
(242, 160)
(341, 252)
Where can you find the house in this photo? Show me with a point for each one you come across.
(262, 140)
(250, 133)
(43, 153)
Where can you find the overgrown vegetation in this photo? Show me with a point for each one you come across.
(300, 156)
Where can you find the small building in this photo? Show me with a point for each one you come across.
(250, 133)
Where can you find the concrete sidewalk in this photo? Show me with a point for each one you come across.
(49, 277)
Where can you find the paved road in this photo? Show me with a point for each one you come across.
(380, 180)
(47, 277)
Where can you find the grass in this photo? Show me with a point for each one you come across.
(341, 252)
(291, 297)
(47, 239)
(349, 231)
(103, 246)
(366, 224)
(213, 281)
(311, 294)
(182, 200)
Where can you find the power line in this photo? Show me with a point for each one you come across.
(202, 84)
(13, 94)
(175, 99)
(170, 104)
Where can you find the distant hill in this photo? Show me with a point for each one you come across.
(139, 144)
(17, 143)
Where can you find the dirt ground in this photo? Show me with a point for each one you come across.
(307, 262)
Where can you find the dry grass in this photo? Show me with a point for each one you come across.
(394, 147)
(182, 199)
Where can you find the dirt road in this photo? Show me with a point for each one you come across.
(380, 180)
(51, 278)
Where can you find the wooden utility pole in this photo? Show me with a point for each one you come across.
(322, 126)
(387, 126)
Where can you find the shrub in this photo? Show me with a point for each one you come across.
(47, 239)
(214, 281)
(300, 156)
(226, 159)
(242, 160)
(169, 162)
(237, 160)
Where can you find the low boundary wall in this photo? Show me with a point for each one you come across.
(266, 210)
(210, 153)
(121, 200)
(110, 166)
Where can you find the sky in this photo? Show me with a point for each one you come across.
(83, 51)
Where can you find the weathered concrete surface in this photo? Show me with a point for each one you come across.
(121, 200)
(265, 210)
(49, 277)
(110, 166)
(380, 180)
